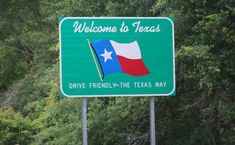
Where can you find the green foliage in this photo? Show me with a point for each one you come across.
(202, 113)
(118, 121)
(12, 66)
(60, 124)
(36, 86)
(15, 129)
(128, 8)
(205, 36)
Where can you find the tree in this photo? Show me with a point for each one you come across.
(203, 112)
(15, 129)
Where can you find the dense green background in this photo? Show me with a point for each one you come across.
(202, 113)
(157, 51)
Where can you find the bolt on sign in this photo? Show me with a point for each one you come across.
(116, 56)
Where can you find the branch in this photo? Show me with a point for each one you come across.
(22, 51)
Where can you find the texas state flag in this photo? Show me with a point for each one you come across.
(117, 57)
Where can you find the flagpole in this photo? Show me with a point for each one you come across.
(94, 60)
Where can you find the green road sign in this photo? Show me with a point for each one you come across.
(117, 56)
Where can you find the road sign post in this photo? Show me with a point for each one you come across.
(152, 122)
(117, 56)
(84, 121)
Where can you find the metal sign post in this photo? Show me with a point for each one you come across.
(120, 53)
(84, 121)
(152, 122)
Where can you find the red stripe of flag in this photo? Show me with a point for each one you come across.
(133, 67)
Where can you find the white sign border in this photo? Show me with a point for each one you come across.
(118, 95)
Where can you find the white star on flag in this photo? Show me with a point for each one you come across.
(107, 55)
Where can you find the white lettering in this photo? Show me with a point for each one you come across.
(160, 84)
(77, 85)
(83, 27)
(143, 84)
(139, 28)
